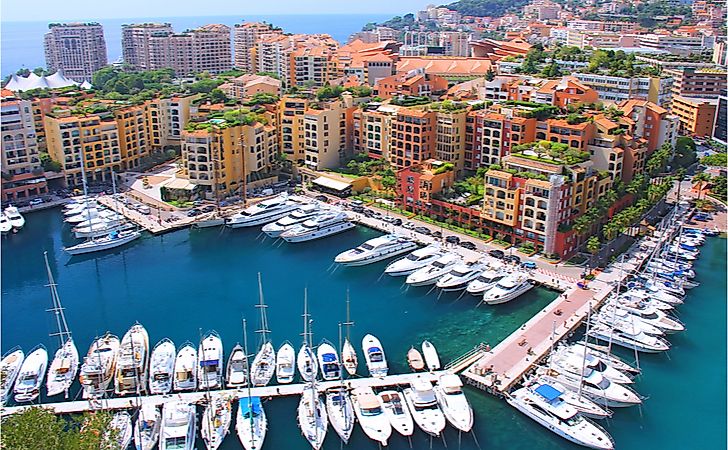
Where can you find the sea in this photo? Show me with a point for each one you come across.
(181, 284)
(21, 44)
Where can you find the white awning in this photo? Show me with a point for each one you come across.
(331, 184)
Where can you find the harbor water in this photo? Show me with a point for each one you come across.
(182, 284)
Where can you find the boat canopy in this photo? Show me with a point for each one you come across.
(548, 392)
(252, 405)
(211, 362)
(374, 350)
(329, 357)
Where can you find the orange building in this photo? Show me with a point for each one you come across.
(696, 115)
(653, 123)
(564, 92)
(449, 67)
(417, 184)
(406, 84)
(413, 137)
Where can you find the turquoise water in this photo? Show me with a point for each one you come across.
(181, 284)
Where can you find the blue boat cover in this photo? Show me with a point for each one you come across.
(253, 404)
(548, 392)
(211, 362)
(374, 349)
(329, 357)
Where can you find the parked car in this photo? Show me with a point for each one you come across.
(193, 212)
(528, 265)
(497, 254)
(512, 259)
(469, 245)
(423, 230)
(322, 198)
(144, 209)
(452, 239)
(388, 219)
(408, 226)
(208, 208)
(436, 234)
(197, 203)
(357, 209)
(397, 222)
(357, 202)
(35, 201)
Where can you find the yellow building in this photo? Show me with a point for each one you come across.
(327, 133)
(166, 118)
(501, 198)
(291, 111)
(450, 137)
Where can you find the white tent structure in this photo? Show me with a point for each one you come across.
(33, 81)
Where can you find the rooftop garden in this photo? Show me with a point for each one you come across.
(448, 106)
(550, 153)
(408, 100)
(539, 111)
(332, 92)
(618, 64)
(227, 119)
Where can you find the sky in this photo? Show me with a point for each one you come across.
(63, 10)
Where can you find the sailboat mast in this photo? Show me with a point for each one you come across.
(250, 401)
(116, 202)
(586, 347)
(263, 318)
(63, 333)
(348, 322)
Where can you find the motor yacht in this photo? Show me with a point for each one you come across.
(210, 368)
(414, 261)
(132, 362)
(185, 368)
(147, 426)
(432, 272)
(627, 298)
(5, 225)
(99, 366)
(119, 432)
(396, 411)
(97, 244)
(161, 367)
(263, 212)
(369, 412)
(640, 341)
(31, 375)
(312, 417)
(652, 293)
(507, 289)
(460, 276)
(324, 224)
(9, 369)
(304, 213)
(597, 388)
(452, 401)
(263, 366)
(485, 281)
(543, 404)
(414, 359)
(328, 361)
(237, 368)
(374, 250)
(103, 229)
(374, 356)
(63, 369)
(422, 403)
(216, 419)
(285, 363)
(649, 314)
(17, 221)
(104, 218)
(341, 412)
(74, 209)
(624, 321)
(251, 424)
(83, 214)
(578, 348)
(431, 358)
(569, 362)
(179, 426)
(581, 403)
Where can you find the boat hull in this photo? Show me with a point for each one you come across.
(318, 234)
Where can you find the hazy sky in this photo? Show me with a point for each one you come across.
(49, 10)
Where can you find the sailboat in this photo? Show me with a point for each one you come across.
(339, 407)
(9, 369)
(237, 368)
(306, 360)
(64, 366)
(216, 419)
(147, 426)
(250, 422)
(264, 363)
(115, 239)
(348, 353)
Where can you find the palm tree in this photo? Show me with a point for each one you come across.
(593, 246)
(701, 179)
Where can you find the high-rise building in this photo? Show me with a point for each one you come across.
(204, 49)
(77, 49)
(245, 37)
(135, 43)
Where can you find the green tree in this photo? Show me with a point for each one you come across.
(701, 180)
(593, 246)
(38, 428)
(490, 74)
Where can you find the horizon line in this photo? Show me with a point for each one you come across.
(196, 15)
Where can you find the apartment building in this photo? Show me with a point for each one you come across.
(542, 10)
(720, 131)
(450, 137)
(417, 184)
(696, 115)
(596, 25)
(311, 66)
(291, 111)
(135, 40)
(697, 82)
(413, 138)
(166, 119)
(676, 44)
(617, 89)
(274, 55)
(246, 86)
(490, 136)
(77, 49)
(372, 130)
(368, 62)
(652, 123)
(245, 37)
(564, 92)
(413, 84)
(328, 133)
(20, 161)
(204, 49)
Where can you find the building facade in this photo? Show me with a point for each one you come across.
(135, 40)
(77, 49)
(20, 163)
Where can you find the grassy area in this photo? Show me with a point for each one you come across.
(178, 204)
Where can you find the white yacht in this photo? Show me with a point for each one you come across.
(623, 320)
(430, 354)
(581, 403)
(432, 272)
(9, 369)
(374, 356)
(99, 366)
(460, 276)
(374, 250)
(323, 224)
(74, 209)
(646, 312)
(654, 294)
(237, 368)
(579, 348)
(341, 412)
(422, 404)
(31, 375)
(304, 213)
(415, 260)
(312, 417)
(626, 298)
(121, 425)
(82, 215)
(328, 361)
(395, 408)
(372, 419)
(568, 361)
(285, 363)
(132, 362)
(5, 225)
(507, 289)
(104, 218)
(452, 401)
(161, 367)
(147, 426)
(543, 404)
(102, 230)
(636, 341)
(307, 362)
(263, 212)
(485, 281)
(251, 423)
(185, 368)
(263, 366)
(216, 419)
(179, 426)
(597, 388)
(97, 244)
(210, 368)
(17, 221)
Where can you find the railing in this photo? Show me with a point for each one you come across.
(465, 357)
